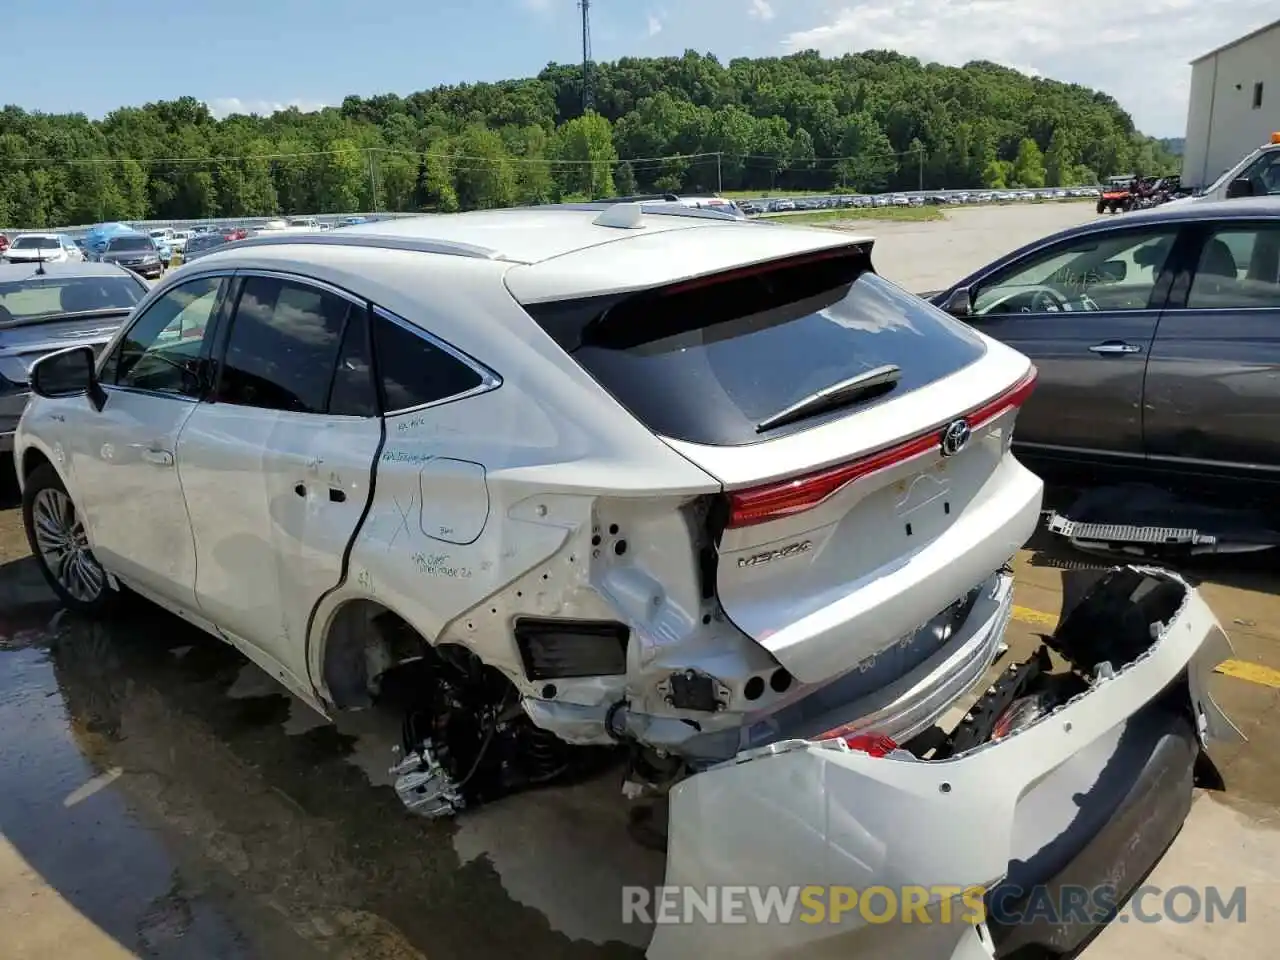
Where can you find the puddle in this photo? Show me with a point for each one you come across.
(162, 776)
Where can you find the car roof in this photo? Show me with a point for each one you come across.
(523, 235)
(1242, 208)
(562, 251)
(13, 272)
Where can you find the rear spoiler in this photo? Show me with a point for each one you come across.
(628, 319)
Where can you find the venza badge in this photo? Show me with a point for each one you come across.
(790, 550)
(955, 436)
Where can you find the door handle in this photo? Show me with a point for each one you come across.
(1114, 348)
(161, 458)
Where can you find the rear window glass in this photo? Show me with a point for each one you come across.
(709, 364)
(38, 298)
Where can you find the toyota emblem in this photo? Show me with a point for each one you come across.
(955, 437)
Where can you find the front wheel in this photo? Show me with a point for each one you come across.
(56, 534)
(1102, 208)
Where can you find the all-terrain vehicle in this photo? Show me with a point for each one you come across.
(1117, 194)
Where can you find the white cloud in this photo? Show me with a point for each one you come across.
(225, 106)
(655, 26)
(1138, 52)
(760, 10)
(537, 6)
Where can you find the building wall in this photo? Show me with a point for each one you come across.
(1222, 123)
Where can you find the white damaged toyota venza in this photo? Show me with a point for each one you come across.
(606, 482)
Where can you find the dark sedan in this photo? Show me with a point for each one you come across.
(1156, 338)
(48, 307)
(137, 252)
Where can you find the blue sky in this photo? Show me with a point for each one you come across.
(91, 56)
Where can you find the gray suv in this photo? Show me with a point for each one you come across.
(1155, 337)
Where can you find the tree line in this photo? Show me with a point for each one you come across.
(864, 122)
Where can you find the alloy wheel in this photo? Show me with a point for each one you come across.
(64, 547)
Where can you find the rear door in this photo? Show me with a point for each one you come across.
(1085, 311)
(1213, 381)
(277, 466)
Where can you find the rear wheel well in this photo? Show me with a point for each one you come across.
(364, 641)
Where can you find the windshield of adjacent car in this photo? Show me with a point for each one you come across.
(130, 244)
(38, 297)
(35, 243)
(1226, 174)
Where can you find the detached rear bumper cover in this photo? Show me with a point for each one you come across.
(799, 813)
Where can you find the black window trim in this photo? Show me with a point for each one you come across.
(1160, 291)
(489, 380)
(225, 278)
(1197, 235)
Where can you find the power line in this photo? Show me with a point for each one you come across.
(446, 155)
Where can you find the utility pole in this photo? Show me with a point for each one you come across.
(719, 174)
(588, 100)
(920, 157)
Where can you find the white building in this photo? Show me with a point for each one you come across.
(1235, 104)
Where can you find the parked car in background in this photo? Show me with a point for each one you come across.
(202, 244)
(1155, 340)
(137, 252)
(47, 247)
(49, 307)
(179, 240)
(1256, 175)
(162, 239)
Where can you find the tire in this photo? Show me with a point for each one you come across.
(53, 529)
(1102, 208)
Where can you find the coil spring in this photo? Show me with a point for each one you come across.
(544, 754)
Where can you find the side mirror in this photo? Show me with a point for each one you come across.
(68, 373)
(959, 303)
(1113, 271)
(1239, 187)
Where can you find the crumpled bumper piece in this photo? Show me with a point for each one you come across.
(797, 814)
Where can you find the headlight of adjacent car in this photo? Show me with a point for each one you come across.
(151, 258)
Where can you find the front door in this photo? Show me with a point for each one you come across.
(277, 465)
(1085, 311)
(1213, 381)
(127, 483)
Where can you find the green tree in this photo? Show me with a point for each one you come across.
(624, 180)
(1028, 166)
(584, 147)
(1059, 161)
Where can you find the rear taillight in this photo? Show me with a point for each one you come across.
(785, 498)
(872, 744)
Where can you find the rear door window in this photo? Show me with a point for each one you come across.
(283, 346)
(708, 363)
(1238, 269)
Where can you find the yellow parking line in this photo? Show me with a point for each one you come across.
(1253, 672)
(1035, 618)
(1240, 669)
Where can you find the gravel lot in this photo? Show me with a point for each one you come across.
(163, 798)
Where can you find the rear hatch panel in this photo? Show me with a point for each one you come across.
(847, 527)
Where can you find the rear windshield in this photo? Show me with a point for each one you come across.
(38, 298)
(35, 243)
(708, 363)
